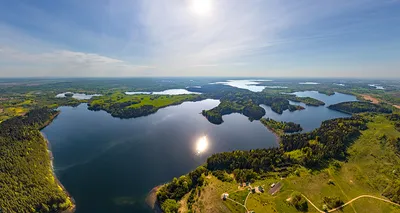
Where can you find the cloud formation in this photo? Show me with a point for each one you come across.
(165, 38)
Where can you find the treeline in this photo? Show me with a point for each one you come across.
(307, 100)
(259, 160)
(121, 110)
(215, 114)
(250, 110)
(170, 193)
(27, 183)
(281, 127)
(393, 191)
(133, 106)
(248, 104)
(331, 140)
(359, 107)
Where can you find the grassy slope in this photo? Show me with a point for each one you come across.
(369, 168)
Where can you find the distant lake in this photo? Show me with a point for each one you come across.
(251, 85)
(79, 96)
(110, 164)
(165, 92)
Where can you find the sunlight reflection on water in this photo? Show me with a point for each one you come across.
(201, 144)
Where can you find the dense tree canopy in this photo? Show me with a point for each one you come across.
(27, 183)
(281, 127)
(358, 107)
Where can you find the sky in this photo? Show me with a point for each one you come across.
(263, 38)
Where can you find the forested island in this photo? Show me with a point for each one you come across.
(244, 102)
(27, 180)
(359, 107)
(250, 110)
(307, 100)
(131, 106)
(281, 127)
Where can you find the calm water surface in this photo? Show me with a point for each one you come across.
(79, 96)
(311, 117)
(165, 92)
(110, 164)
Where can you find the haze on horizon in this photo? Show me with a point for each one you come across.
(255, 38)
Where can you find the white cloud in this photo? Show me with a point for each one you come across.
(167, 35)
(65, 63)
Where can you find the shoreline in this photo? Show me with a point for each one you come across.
(152, 201)
(73, 207)
(277, 135)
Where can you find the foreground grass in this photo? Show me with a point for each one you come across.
(372, 163)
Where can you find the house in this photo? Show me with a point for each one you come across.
(261, 189)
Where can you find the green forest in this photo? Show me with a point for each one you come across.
(281, 127)
(131, 106)
(27, 182)
(307, 100)
(359, 107)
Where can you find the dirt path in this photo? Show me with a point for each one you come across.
(397, 106)
(245, 201)
(352, 200)
(370, 98)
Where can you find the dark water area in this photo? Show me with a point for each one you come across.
(109, 164)
(311, 117)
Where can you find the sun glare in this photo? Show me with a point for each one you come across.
(201, 7)
(201, 145)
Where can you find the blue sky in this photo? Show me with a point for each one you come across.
(267, 38)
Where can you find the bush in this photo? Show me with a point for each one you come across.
(222, 176)
(299, 202)
(170, 206)
(333, 202)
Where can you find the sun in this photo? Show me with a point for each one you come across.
(201, 7)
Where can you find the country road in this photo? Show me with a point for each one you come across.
(352, 200)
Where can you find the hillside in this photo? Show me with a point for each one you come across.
(370, 166)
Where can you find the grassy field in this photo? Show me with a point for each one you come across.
(372, 163)
(141, 99)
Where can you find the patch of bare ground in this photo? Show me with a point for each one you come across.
(370, 98)
(151, 200)
(183, 204)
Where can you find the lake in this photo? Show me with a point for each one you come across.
(78, 96)
(110, 164)
(311, 117)
(165, 92)
(251, 85)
